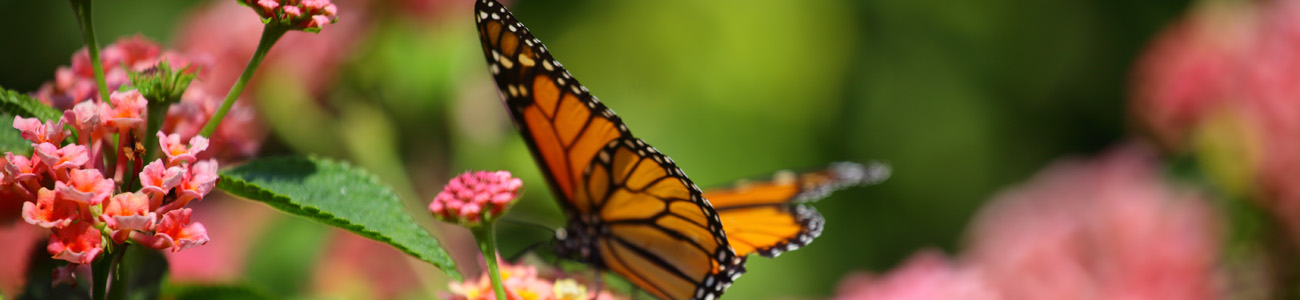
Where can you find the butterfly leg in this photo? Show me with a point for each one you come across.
(596, 292)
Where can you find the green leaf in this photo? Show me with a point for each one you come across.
(216, 292)
(15, 103)
(10, 139)
(336, 194)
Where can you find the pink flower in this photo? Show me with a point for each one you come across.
(177, 152)
(927, 275)
(308, 15)
(157, 180)
(126, 212)
(1107, 228)
(86, 186)
(33, 130)
(68, 157)
(521, 282)
(19, 168)
(76, 84)
(78, 243)
(174, 231)
(49, 211)
(84, 117)
(127, 112)
(198, 181)
(475, 196)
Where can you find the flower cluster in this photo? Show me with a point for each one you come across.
(84, 200)
(76, 83)
(305, 15)
(239, 136)
(475, 197)
(1101, 229)
(1223, 83)
(522, 282)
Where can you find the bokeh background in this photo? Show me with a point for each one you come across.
(963, 99)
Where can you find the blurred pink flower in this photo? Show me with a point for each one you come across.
(1224, 82)
(307, 15)
(475, 197)
(20, 240)
(521, 282)
(225, 34)
(362, 268)
(1107, 228)
(928, 275)
(75, 84)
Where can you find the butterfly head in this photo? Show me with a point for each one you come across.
(575, 242)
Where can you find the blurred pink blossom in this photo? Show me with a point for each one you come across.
(76, 84)
(1105, 228)
(1224, 82)
(928, 275)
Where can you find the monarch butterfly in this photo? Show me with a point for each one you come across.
(630, 209)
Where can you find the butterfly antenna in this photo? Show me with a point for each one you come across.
(548, 230)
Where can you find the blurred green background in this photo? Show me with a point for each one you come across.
(962, 98)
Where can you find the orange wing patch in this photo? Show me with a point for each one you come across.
(769, 217)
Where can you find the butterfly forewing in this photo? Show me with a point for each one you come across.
(629, 205)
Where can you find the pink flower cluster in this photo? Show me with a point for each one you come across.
(1224, 83)
(239, 135)
(522, 282)
(1108, 228)
(75, 84)
(73, 192)
(308, 15)
(474, 197)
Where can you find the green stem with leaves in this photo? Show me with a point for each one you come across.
(485, 235)
(270, 34)
(82, 9)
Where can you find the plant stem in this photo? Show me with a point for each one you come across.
(270, 34)
(485, 235)
(100, 269)
(119, 274)
(82, 9)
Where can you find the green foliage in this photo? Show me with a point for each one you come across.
(217, 292)
(10, 139)
(15, 103)
(336, 194)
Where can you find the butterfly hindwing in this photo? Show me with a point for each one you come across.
(630, 208)
(769, 217)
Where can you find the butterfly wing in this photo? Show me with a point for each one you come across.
(634, 207)
(769, 217)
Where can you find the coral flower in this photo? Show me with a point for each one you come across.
(127, 112)
(175, 231)
(86, 186)
(49, 211)
(70, 156)
(474, 197)
(78, 243)
(20, 168)
(177, 152)
(157, 180)
(126, 212)
(37, 132)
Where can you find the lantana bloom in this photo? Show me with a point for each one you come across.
(306, 15)
(175, 231)
(85, 186)
(78, 243)
(474, 197)
(126, 212)
(521, 282)
(127, 112)
(33, 130)
(70, 156)
(48, 212)
(177, 152)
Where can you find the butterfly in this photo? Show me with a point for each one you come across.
(631, 210)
